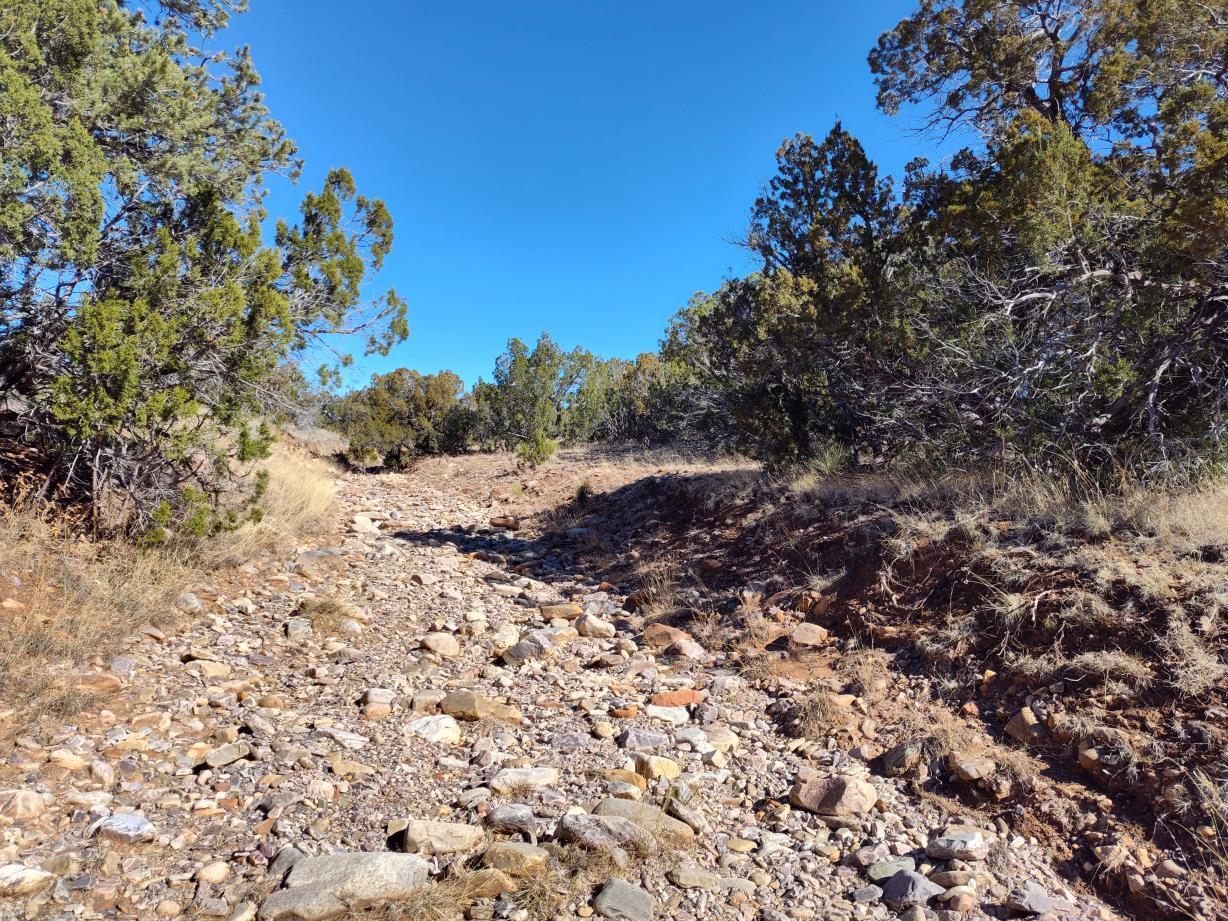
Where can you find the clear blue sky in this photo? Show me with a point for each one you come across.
(577, 166)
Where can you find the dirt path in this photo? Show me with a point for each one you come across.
(399, 686)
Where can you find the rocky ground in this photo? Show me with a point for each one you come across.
(398, 721)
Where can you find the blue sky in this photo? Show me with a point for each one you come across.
(577, 166)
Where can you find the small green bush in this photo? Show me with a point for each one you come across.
(536, 450)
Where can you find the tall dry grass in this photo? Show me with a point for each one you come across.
(296, 504)
(68, 602)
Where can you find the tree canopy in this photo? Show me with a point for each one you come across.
(142, 310)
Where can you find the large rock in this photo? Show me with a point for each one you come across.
(422, 836)
(323, 888)
(843, 797)
(20, 805)
(605, 833)
(442, 729)
(647, 817)
(471, 707)
(619, 900)
(908, 888)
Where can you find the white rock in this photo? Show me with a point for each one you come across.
(436, 729)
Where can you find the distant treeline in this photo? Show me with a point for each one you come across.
(1060, 288)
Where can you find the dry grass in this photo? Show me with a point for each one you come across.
(317, 441)
(67, 603)
(1194, 669)
(445, 900)
(818, 716)
(298, 503)
(659, 591)
(329, 616)
(866, 671)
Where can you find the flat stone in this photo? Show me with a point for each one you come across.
(605, 833)
(323, 888)
(442, 729)
(693, 878)
(228, 754)
(959, 842)
(843, 797)
(1033, 898)
(882, 870)
(124, 827)
(566, 611)
(515, 857)
(422, 836)
(18, 879)
(647, 817)
(675, 716)
(471, 707)
(509, 779)
(20, 805)
(619, 900)
(636, 739)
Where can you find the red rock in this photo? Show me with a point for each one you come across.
(683, 697)
(661, 635)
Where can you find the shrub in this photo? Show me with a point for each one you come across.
(536, 450)
(146, 306)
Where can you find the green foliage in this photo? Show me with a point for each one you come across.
(402, 415)
(536, 449)
(1058, 290)
(143, 314)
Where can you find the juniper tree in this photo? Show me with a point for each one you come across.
(1077, 259)
(141, 309)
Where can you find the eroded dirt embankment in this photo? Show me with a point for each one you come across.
(1056, 662)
